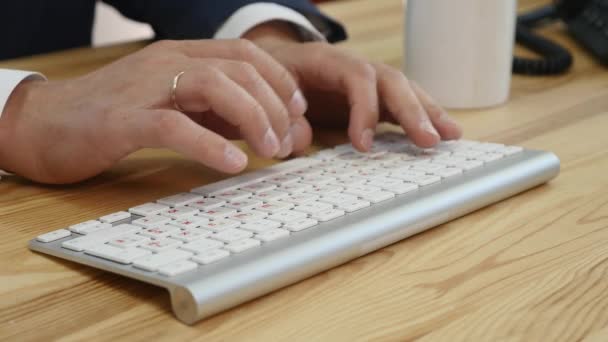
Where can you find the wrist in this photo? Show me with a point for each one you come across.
(16, 107)
(273, 33)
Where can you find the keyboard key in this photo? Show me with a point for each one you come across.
(318, 181)
(509, 150)
(326, 189)
(151, 221)
(258, 188)
(301, 224)
(128, 241)
(159, 231)
(353, 206)
(287, 216)
(233, 195)
(217, 213)
(337, 199)
(403, 188)
(283, 180)
(301, 198)
(115, 217)
(489, 157)
(421, 180)
(207, 204)
(249, 216)
(469, 165)
(202, 246)
(296, 188)
(272, 234)
(116, 254)
(176, 268)
(99, 237)
(180, 200)
(244, 205)
(271, 195)
(378, 196)
(385, 183)
(447, 172)
(469, 154)
(428, 168)
(242, 245)
(54, 235)
(232, 235)
(361, 190)
(180, 212)
(260, 226)
(221, 225)
(148, 209)
(450, 161)
(89, 227)
(160, 245)
(327, 215)
(153, 261)
(308, 172)
(211, 256)
(314, 207)
(190, 222)
(188, 235)
(275, 207)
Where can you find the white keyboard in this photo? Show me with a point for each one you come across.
(224, 243)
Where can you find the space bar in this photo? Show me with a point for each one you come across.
(256, 176)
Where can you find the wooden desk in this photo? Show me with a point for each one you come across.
(531, 268)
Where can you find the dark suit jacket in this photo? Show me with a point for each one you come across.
(36, 26)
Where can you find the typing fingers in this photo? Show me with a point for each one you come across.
(447, 127)
(330, 69)
(209, 88)
(174, 130)
(278, 77)
(257, 86)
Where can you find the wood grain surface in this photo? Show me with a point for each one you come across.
(531, 268)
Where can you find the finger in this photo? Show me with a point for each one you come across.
(203, 88)
(302, 135)
(279, 78)
(335, 70)
(249, 79)
(448, 128)
(174, 130)
(401, 101)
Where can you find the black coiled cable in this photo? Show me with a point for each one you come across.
(555, 59)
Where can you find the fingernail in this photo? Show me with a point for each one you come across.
(234, 157)
(427, 126)
(367, 139)
(286, 146)
(271, 142)
(298, 104)
(445, 117)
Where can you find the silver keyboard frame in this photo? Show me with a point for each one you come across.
(242, 277)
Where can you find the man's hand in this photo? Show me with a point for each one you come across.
(67, 131)
(337, 82)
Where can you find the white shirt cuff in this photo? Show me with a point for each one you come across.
(9, 80)
(250, 16)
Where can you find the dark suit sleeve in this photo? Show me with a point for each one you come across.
(196, 19)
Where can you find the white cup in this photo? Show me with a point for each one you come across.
(461, 51)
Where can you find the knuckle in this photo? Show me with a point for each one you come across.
(366, 71)
(208, 77)
(245, 47)
(244, 68)
(394, 76)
